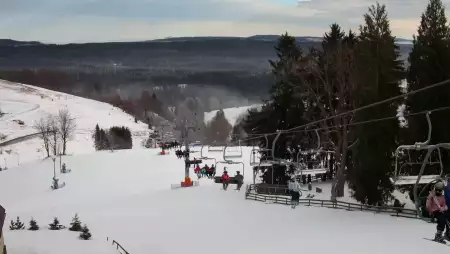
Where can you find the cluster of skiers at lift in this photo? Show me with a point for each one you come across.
(209, 172)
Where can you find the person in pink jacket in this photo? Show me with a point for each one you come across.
(437, 208)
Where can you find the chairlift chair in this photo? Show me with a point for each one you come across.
(401, 179)
(215, 148)
(227, 161)
(205, 157)
(316, 165)
(227, 155)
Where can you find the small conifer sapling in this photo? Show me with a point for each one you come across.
(55, 224)
(85, 234)
(33, 225)
(75, 225)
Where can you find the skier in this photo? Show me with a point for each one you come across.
(437, 208)
(205, 170)
(213, 171)
(197, 171)
(209, 171)
(225, 180)
(294, 188)
(239, 179)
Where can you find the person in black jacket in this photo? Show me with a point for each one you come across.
(239, 179)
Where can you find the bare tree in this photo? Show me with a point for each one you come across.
(66, 126)
(328, 85)
(42, 126)
(53, 131)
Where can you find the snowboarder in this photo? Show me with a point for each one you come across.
(225, 180)
(437, 208)
(239, 179)
(294, 188)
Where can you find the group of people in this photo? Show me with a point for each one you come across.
(180, 153)
(436, 205)
(238, 178)
(205, 171)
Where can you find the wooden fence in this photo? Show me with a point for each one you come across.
(285, 200)
(119, 247)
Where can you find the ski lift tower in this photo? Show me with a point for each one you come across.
(185, 127)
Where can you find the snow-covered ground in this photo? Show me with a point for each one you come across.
(126, 196)
(231, 114)
(29, 104)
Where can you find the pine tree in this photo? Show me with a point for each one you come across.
(85, 234)
(429, 63)
(33, 225)
(55, 224)
(284, 109)
(381, 74)
(12, 226)
(218, 130)
(75, 225)
(97, 142)
(18, 224)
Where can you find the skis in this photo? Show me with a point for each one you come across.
(432, 240)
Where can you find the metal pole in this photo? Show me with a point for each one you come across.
(54, 167)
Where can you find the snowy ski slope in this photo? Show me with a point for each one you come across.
(28, 104)
(126, 196)
(231, 114)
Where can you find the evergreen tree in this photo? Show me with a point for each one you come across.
(85, 234)
(16, 225)
(33, 225)
(381, 74)
(284, 109)
(75, 225)
(218, 130)
(429, 63)
(332, 38)
(55, 224)
(97, 141)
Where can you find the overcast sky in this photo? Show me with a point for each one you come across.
(62, 21)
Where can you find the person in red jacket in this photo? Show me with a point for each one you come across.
(437, 207)
(198, 171)
(225, 180)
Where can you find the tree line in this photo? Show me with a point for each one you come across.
(113, 138)
(348, 71)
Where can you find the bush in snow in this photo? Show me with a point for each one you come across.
(17, 225)
(75, 225)
(33, 225)
(85, 234)
(55, 224)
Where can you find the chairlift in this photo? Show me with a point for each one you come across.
(314, 160)
(402, 178)
(205, 157)
(227, 161)
(227, 154)
(215, 148)
(279, 161)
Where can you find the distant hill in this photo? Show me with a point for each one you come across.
(13, 43)
(221, 67)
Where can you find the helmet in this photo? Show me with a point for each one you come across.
(439, 186)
